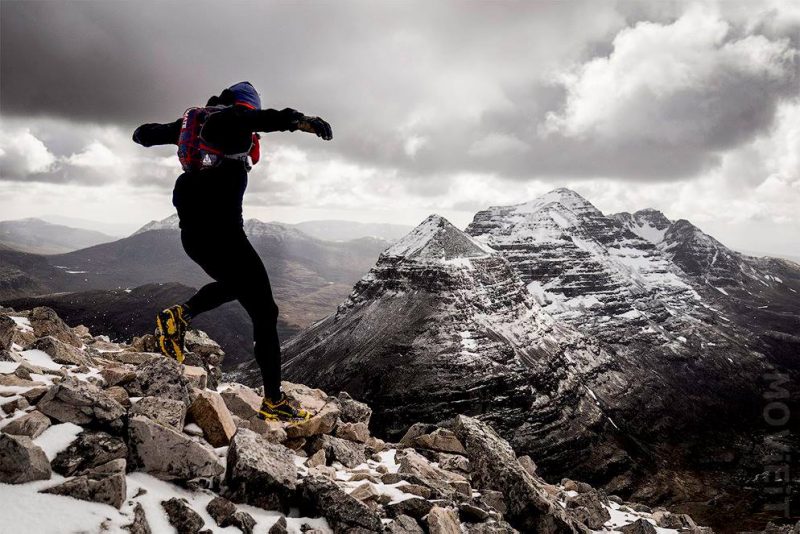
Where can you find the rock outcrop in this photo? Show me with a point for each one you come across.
(455, 476)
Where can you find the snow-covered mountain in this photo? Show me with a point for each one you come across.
(442, 325)
(561, 325)
(585, 268)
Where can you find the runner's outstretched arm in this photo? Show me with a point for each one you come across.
(158, 134)
(287, 119)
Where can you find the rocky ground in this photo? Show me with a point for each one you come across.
(99, 436)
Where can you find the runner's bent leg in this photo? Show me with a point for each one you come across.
(231, 260)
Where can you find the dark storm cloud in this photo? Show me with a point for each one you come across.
(426, 88)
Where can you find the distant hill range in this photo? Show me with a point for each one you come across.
(334, 230)
(40, 237)
(309, 276)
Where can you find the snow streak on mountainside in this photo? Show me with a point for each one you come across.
(759, 295)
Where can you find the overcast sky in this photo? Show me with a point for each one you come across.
(692, 108)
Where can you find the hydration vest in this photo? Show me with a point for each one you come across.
(193, 151)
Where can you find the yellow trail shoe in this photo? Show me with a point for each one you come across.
(171, 326)
(283, 410)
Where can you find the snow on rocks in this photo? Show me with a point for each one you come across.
(31, 424)
(59, 351)
(140, 467)
(90, 450)
(74, 401)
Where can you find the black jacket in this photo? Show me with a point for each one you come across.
(211, 199)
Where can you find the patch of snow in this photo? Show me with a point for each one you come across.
(467, 342)
(57, 438)
(40, 359)
(23, 323)
(7, 368)
(631, 314)
(536, 289)
(27, 510)
(159, 490)
(192, 429)
(436, 239)
(388, 459)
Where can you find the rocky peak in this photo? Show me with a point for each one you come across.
(563, 196)
(169, 223)
(436, 239)
(649, 224)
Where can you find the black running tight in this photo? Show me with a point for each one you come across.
(239, 274)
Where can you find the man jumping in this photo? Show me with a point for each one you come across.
(216, 145)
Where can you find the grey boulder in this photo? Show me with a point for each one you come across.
(46, 322)
(495, 466)
(90, 449)
(321, 496)
(31, 424)
(182, 517)
(167, 412)
(167, 454)
(21, 460)
(259, 472)
(74, 401)
(163, 377)
(109, 489)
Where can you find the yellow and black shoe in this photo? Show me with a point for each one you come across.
(282, 410)
(171, 326)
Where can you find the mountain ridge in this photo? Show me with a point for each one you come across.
(634, 335)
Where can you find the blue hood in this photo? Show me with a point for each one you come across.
(245, 93)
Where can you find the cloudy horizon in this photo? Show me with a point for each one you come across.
(692, 108)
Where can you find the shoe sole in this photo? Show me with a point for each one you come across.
(273, 417)
(166, 330)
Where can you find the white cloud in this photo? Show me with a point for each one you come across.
(22, 153)
(95, 155)
(688, 83)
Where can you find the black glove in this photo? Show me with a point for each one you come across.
(317, 126)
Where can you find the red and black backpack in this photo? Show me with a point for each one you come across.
(195, 154)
